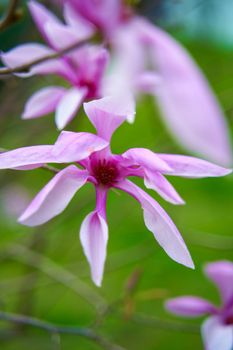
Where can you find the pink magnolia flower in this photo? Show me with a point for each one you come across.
(14, 199)
(95, 163)
(105, 15)
(83, 68)
(217, 330)
(147, 59)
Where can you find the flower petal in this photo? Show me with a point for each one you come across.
(91, 61)
(68, 106)
(94, 238)
(221, 273)
(216, 335)
(103, 14)
(185, 97)
(43, 102)
(107, 114)
(24, 54)
(69, 147)
(54, 197)
(74, 146)
(54, 66)
(41, 16)
(73, 19)
(148, 82)
(162, 186)
(62, 36)
(160, 224)
(27, 156)
(190, 306)
(192, 167)
(147, 159)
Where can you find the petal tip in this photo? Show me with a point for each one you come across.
(187, 261)
(25, 115)
(227, 172)
(97, 281)
(168, 305)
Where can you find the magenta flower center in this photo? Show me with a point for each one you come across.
(91, 87)
(105, 172)
(229, 320)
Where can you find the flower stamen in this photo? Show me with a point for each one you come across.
(105, 172)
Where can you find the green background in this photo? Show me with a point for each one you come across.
(205, 222)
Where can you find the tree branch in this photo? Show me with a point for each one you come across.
(159, 323)
(56, 272)
(210, 240)
(10, 16)
(58, 329)
(25, 67)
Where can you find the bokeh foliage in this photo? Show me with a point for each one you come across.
(205, 222)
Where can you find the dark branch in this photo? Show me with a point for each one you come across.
(25, 67)
(10, 16)
(58, 329)
(158, 323)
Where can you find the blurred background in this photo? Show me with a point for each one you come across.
(43, 270)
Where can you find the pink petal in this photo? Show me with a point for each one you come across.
(54, 197)
(68, 106)
(73, 19)
(128, 62)
(41, 16)
(73, 146)
(114, 85)
(43, 102)
(217, 336)
(91, 61)
(54, 66)
(69, 147)
(160, 224)
(27, 156)
(94, 238)
(107, 114)
(190, 306)
(103, 14)
(62, 36)
(192, 167)
(24, 54)
(189, 107)
(148, 82)
(162, 186)
(147, 159)
(221, 273)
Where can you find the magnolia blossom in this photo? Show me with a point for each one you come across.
(147, 59)
(217, 330)
(83, 68)
(95, 163)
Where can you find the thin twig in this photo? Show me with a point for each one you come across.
(25, 303)
(210, 240)
(25, 67)
(115, 262)
(57, 329)
(10, 16)
(56, 272)
(159, 323)
(50, 168)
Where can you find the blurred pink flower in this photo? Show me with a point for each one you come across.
(105, 171)
(217, 330)
(147, 59)
(83, 68)
(105, 15)
(14, 199)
